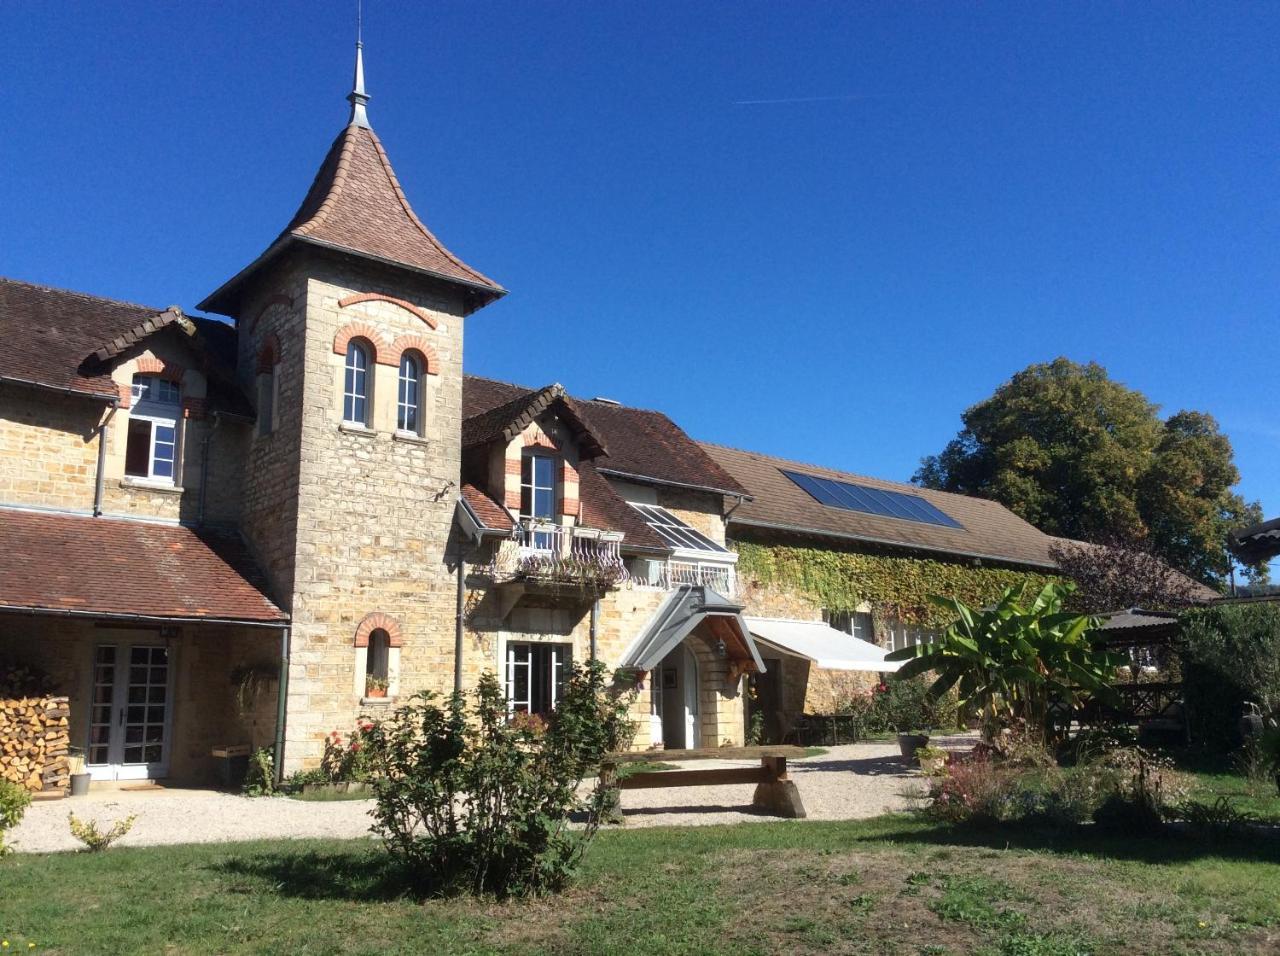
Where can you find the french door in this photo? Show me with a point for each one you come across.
(130, 712)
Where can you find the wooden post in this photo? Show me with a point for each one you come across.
(777, 794)
(612, 811)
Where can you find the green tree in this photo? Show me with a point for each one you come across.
(1082, 456)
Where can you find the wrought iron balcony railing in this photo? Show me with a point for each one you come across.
(557, 554)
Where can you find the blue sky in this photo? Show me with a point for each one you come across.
(820, 230)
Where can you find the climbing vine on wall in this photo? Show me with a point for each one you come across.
(842, 580)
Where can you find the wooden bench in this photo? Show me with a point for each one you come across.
(775, 793)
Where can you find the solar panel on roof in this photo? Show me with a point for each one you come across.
(871, 501)
(674, 531)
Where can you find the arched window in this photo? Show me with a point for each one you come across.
(378, 663)
(410, 394)
(151, 448)
(355, 395)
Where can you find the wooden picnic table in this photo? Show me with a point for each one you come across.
(775, 792)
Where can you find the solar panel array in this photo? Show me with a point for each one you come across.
(872, 501)
(675, 532)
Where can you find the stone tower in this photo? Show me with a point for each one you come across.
(350, 331)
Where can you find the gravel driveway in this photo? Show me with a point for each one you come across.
(847, 783)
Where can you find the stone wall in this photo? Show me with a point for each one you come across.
(48, 448)
(375, 508)
(34, 735)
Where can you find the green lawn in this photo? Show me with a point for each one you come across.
(892, 885)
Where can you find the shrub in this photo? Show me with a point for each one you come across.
(96, 839)
(975, 789)
(1231, 654)
(260, 778)
(1217, 819)
(470, 801)
(14, 801)
(346, 760)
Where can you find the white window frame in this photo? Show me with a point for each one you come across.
(539, 540)
(859, 624)
(366, 396)
(159, 413)
(420, 386)
(561, 657)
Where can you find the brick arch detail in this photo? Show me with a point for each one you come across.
(361, 330)
(391, 300)
(278, 299)
(414, 343)
(269, 354)
(150, 365)
(377, 620)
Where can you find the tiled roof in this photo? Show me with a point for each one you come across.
(603, 508)
(1177, 581)
(114, 566)
(642, 444)
(510, 419)
(66, 339)
(1259, 542)
(491, 514)
(989, 530)
(356, 205)
(50, 335)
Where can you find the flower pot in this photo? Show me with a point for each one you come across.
(910, 743)
(79, 784)
(375, 692)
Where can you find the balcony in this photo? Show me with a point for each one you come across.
(719, 576)
(554, 557)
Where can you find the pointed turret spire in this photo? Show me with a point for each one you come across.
(358, 97)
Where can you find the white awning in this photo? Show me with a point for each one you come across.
(825, 646)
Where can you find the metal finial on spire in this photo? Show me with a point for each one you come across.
(358, 97)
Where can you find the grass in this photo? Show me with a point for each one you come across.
(891, 885)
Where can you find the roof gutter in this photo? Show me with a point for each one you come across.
(628, 476)
(142, 618)
(113, 398)
(846, 536)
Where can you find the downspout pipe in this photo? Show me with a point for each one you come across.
(204, 465)
(595, 623)
(99, 478)
(282, 696)
(458, 641)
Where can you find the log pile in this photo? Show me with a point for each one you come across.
(34, 736)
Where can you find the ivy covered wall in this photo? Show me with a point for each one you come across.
(892, 585)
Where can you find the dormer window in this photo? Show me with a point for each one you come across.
(538, 493)
(355, 392)
(151, 449)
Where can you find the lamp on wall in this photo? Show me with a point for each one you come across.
(721, 650)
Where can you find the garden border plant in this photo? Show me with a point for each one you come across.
(471, 801)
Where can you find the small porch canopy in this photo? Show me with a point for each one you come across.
(825, 646)
(684, 609)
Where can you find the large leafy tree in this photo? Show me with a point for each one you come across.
(1081, 456)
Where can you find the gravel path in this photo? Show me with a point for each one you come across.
(847, 783)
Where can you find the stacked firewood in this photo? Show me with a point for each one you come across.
(34, 736)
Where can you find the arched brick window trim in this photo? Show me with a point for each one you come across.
(399, 303)
(277, 299)
(414, 343)
(269, 354)
(149, 365)
(361, 330)
(375, 621)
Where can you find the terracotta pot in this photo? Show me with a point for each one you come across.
(375, 692)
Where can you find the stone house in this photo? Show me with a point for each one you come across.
(253, 532)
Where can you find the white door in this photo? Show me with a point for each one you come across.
(130, 712)
(689, 681)
(675, 710)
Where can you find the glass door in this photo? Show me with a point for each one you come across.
(129, 718)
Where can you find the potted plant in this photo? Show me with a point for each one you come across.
(375, 687)
(912, 741)
(932, 759)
